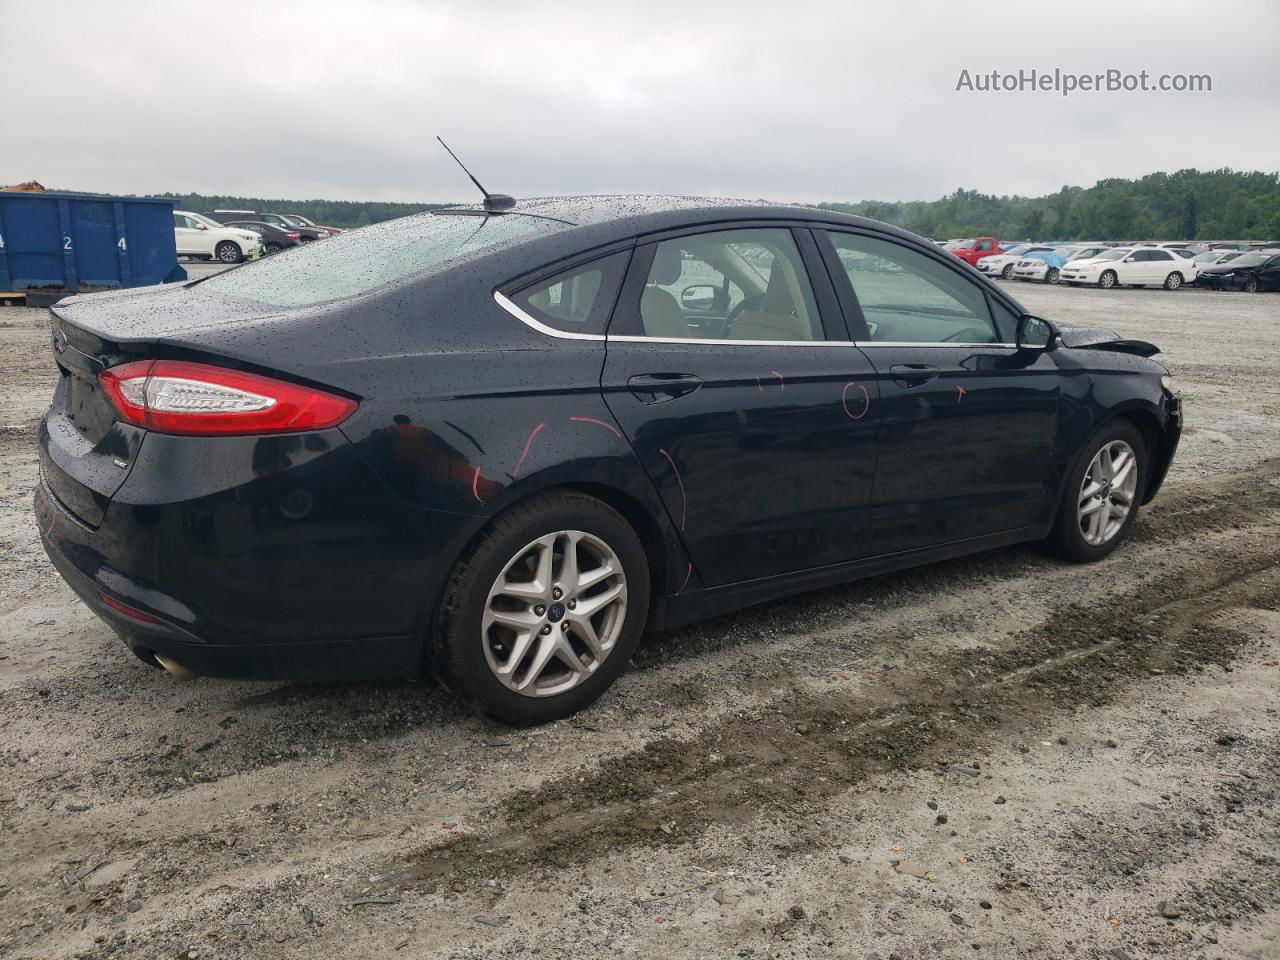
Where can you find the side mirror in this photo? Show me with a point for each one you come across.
(1034, 333)
(201, 226)
(698, 296)
(1130, 259)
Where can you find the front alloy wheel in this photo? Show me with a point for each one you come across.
(1107, 280)
(554, 613)
(1108, 493)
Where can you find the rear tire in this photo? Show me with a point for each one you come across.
(472, 651)
(1107, 280)
(1075, 535)
(1173, 281)
(274, 248)
(228, 252)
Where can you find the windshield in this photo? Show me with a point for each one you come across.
(1248, 260)
(1113, 255)
(205, 220)
(295, 221)
(1019, 249)
(361, 260)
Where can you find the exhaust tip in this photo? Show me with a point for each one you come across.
(176, 670)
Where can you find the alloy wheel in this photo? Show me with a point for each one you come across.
(1108, 492)
(1107, 281)
(554, 613)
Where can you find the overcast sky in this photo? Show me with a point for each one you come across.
(796, 100)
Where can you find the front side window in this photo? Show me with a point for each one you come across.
(746, 284)
(578, 300)
(908, 297)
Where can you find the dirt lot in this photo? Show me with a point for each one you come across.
(1063, 761)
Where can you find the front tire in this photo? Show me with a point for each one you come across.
(544, 612)
(1051, 276)
(1251, 285)
(1102, 492)
(228, 252)
(1107, 280)
(1173, 281)
(1007, 272)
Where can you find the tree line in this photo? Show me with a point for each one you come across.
(1186, 205)
(330, 213)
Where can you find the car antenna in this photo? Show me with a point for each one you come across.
(492, 201)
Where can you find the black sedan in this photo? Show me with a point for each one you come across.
(274, 239)
(499, 445)
(1250, 272)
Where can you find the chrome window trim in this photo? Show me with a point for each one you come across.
(538, 325)
(542, 328)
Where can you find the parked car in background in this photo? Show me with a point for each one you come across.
(274, 239)
(1002, 264)
(195, 235)
(1045, 266)
(305, 234)
(971, 251)
(300, 221)
(1211, 257)
(315, 489)
(1250, 272)
(1131, 267)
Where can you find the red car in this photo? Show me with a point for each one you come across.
(971, 251)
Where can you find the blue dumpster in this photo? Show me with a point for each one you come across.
(81, 242)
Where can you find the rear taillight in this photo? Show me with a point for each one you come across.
(295, 237)
(199, 399)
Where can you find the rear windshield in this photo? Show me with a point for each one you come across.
(362, 260)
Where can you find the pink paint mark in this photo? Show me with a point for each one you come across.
(961, 392)
(688, 573)
(599, 423)
(475, 486)
(782, 381)
(844, 400)
(684, 499)
(525, 452)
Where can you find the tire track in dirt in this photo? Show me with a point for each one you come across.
(814, 746)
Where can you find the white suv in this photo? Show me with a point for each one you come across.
(198, 236)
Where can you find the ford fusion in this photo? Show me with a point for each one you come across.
(497, 445)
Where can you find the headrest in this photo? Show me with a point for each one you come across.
(666, 265)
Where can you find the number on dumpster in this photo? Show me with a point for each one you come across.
(122, 245)
(1, 241)
(66, 243)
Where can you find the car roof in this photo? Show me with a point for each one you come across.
(644, 212)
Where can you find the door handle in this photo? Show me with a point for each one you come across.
(658, 387)
(912, 374)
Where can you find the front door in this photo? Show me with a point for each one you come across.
(752, 413)
(967, 421)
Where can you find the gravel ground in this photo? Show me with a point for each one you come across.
(1001, 756)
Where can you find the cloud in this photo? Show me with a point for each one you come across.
(800, 101)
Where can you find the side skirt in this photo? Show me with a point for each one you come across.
(680, 610)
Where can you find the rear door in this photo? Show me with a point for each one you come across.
(967, 422)
(729, 369)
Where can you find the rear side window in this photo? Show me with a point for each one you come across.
(361, 260)
(579, 300)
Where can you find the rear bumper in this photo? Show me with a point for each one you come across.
(364, 658)
(310, 569)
